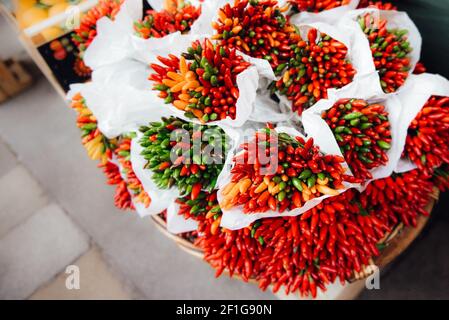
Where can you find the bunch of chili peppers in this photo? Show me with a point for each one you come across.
(97, 145)
(122, 197)
(362, 131)
(390, 49)
(257, 28)
(157, 24)
(175, 150)
(399, 198)
(316, 5)
(420, 68)
(101, 148)
(301, 253)
(205, 203)
(87, 30)
(330, 241)
(319, 64)
(428, 135)
(133, 184)
(295, 173)
(203, 82)
(234, 251)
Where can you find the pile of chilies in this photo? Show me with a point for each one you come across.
(346, 230)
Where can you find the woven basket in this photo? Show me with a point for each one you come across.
(396, 242)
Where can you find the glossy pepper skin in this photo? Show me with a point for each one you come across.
(169, 149)
(362, 131)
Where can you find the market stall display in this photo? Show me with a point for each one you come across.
(297, 204)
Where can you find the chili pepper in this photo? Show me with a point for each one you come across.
(316, 5)
(258, 29)
(320, 63)
(164, 143)
(426, 143)
(202, 82)
(390, 49)
(297, 179)
(367, 149)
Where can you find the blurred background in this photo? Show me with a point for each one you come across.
(55, 209)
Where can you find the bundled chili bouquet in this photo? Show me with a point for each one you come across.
(295, 204)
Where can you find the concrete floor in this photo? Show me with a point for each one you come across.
(56, 210)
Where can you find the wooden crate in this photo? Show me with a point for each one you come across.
(13, 79)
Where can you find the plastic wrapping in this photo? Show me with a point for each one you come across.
(235, 219)
(395, 19)
(413, 97)
(316, 126)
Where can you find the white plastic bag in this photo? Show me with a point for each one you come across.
(178, 224)
(247, 81)
(416, 92)
(395, 20)
(119, 96)
(116, 39)
(363, 88)
(113, 41)
(331, 16)
(235, 219)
